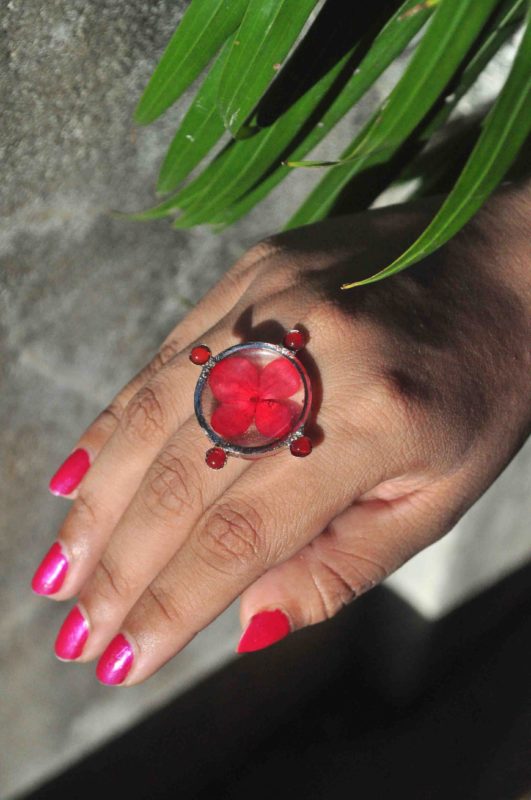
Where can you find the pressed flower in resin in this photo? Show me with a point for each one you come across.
(251, 400)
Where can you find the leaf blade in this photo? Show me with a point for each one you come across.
(204, 27)
(322, 198)
(444, 44)
(505, 130)
(199, 131)
(231, 177)
(268, 30)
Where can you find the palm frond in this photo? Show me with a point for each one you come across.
(280, 85)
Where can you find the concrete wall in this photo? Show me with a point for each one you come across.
(85, 300)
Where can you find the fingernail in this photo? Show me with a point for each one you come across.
(70, 473)
(116, 662)
(263, 630)
(72, 636)
(51, 572)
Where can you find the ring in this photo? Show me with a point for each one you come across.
(253, 399)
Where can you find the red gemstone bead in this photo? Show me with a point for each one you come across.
(294, 340)
(301, 447)
(200, 354)
(216, 458)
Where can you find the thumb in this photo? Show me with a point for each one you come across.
(361, 546)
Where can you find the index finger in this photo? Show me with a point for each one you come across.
(212, 307)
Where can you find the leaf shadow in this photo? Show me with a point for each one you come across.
(332, 34)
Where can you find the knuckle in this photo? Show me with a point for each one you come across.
(168, 350)
(330, 320)
(173, 485)
(385, 405)
(398, 406)
(354, 571)
(258, 252)
(331, 589)
(83, 512)
(365, 571)
(110, 417)
(109, 582)
(144, 416)
(163, 602)
(232, 537)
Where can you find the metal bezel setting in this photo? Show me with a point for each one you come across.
(238, 450)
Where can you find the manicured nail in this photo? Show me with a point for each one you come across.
(51, 573)
(116, 662)
(72, 636)
(264, 629)
(70, 473)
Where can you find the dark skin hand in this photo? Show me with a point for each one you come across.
(422, 387)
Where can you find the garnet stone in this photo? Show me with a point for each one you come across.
(294, 340)
(301, 447)
(216, 458)
(200, 355)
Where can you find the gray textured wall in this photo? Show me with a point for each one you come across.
(85, 299)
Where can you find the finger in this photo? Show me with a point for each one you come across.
(359, 549)
(149, 420)
(215, 304)
(262, 519)
(152, 416)
(173, 495)
(66, 480)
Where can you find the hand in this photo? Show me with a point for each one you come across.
(422, 398)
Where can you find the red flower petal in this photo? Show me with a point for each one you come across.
(232, 419)
(279, 380)
(233, 379)
(274, 419)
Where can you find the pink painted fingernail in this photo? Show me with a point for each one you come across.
(116, 662)
(51, 572)
(72, 636)
(70, 473)
(263, 630)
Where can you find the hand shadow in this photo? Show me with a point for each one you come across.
(450, 332)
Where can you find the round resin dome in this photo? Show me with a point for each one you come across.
(253, 398)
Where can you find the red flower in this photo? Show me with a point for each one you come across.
(245, 392)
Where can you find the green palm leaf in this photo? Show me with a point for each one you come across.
(506, 128)
(267, 33)
(199, 131)
(459, 22)
(451, 32)
(238, 169)
(259, 35)
(504, 26)
(201, 32)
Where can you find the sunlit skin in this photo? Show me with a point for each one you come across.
(421, 397)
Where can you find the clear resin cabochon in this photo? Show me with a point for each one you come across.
(253, 398)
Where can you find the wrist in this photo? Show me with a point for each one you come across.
(500, 234)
